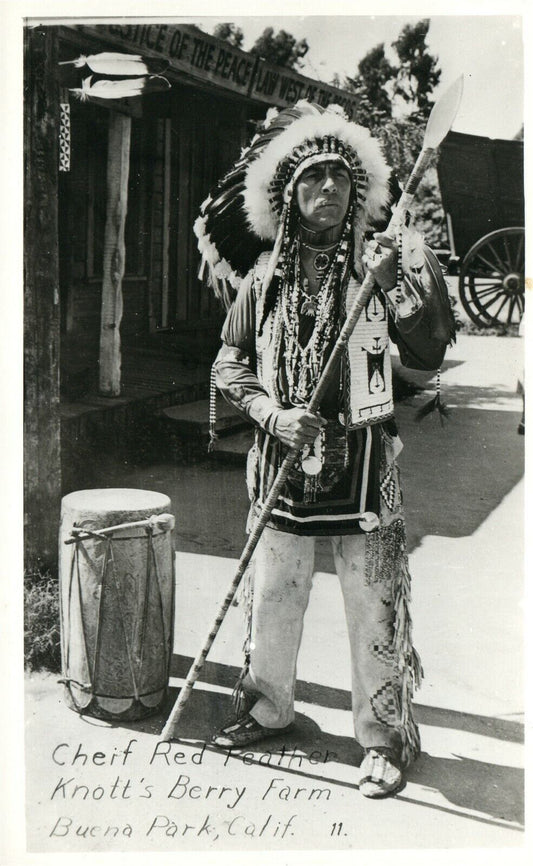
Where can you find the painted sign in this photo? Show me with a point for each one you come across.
(203, 57)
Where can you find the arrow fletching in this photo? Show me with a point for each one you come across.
(443, 115)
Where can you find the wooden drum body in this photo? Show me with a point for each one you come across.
(117, 601)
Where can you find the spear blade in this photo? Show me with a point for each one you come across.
(443, 115)
(439, 123)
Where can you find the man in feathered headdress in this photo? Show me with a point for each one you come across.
(288, 230)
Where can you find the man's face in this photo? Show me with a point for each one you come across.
(323, 195)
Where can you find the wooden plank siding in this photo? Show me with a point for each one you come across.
(181, 144)
(82, 210)
(207, 136)
(42, 466)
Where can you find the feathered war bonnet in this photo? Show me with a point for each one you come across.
(247, 212)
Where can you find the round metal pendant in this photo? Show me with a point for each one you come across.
(311, 465)
(321, 262)
(369, 521)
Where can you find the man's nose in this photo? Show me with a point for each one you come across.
(328, 181)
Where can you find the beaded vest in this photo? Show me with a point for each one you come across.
(367, 370)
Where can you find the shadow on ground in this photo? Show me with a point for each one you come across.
(453, 476)
(493, 790)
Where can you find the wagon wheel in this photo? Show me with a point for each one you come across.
(491, 280)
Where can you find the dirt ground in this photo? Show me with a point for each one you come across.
(463, 493)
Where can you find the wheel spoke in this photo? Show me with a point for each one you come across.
(483, 267)
(503, 265)
(487, 290)
(519, 260)
(482, 276)
(493, 300)
(500, 308)
(512, 305)
(508, 261)
(494, 266)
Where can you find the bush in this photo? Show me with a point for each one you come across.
(42, 642)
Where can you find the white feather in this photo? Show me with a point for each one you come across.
(112, 63)
(117, 89)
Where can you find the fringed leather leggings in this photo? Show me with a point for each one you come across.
(375, 582)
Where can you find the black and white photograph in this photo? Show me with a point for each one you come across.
(272, 376)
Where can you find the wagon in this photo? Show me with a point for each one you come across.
(482, 188)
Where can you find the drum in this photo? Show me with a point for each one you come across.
(116, 569)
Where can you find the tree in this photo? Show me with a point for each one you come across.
(401, 140)
(372, 85)
(418, 74)
(382, 87)
(229, 33)
(282, 49)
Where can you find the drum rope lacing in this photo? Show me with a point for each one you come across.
(162, 522)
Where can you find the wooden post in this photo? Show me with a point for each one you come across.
(42, 465)
(118, 164)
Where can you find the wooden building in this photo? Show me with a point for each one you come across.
(118, 185)
(182, 141)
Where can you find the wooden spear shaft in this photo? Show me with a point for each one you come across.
(356, 309)
(438, 125)
(198, 663)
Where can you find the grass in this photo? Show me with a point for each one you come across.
(503, 330)
(42, 644)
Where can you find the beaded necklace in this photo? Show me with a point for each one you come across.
(304, 363)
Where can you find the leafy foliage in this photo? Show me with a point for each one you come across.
(281, 49)
(383, 87)
(372, 85)
(42, 643)
(428, 213)
(229, 33)
(418, 73)
(401, 140)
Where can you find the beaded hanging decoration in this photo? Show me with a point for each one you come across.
(64, 136)
(311, 461)
(213, 436)
(399, 271)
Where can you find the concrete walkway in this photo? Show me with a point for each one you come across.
(463, 483)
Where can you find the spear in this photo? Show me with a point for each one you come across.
(438, 125)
